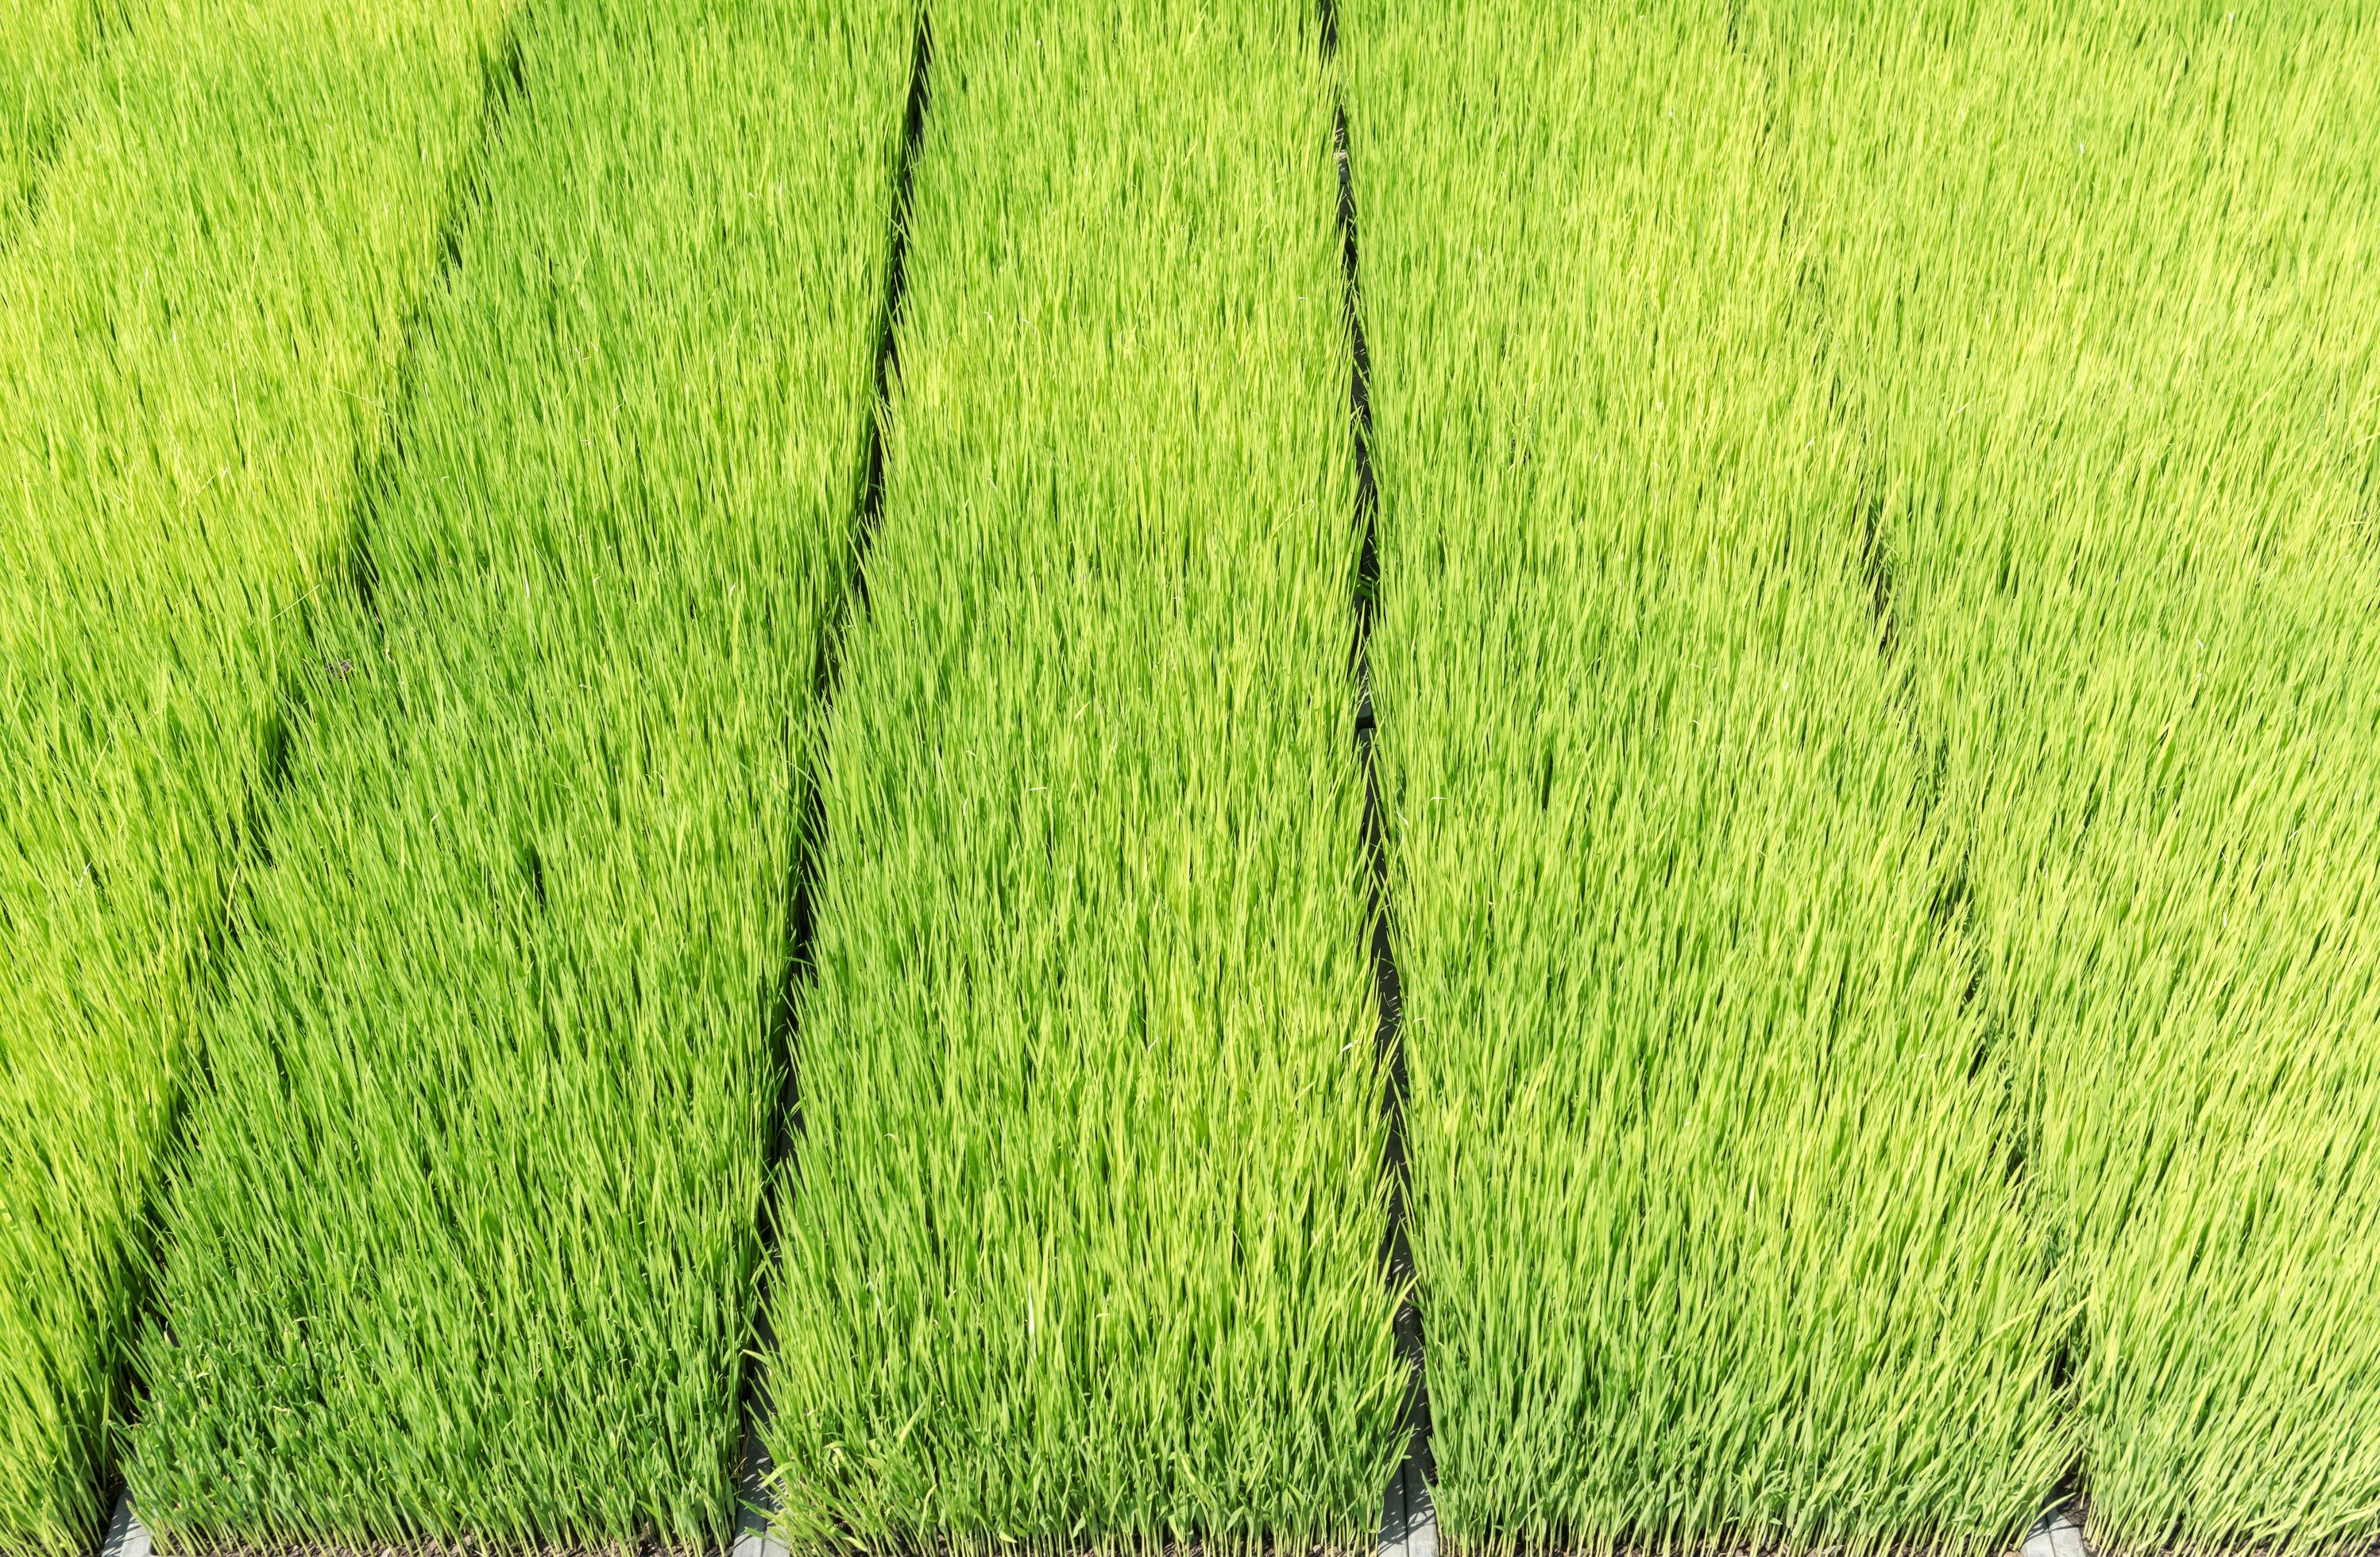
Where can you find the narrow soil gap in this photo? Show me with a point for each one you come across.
(504, 88)
(756, 1499)
(1405, 1503)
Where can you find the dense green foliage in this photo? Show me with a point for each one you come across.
(467, 1240)
(1084, 1214)
(46, 60)
(191, 332)
(1712, 1209)
(1879, 685)
(2105, 292)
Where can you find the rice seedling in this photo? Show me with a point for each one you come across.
(2103, 285)
(466, 1244)
(190, 333)
(1082, 1226)
(1713, 1214)
(45, 59)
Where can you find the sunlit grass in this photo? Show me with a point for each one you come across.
(1878, 683)
(192, 332)
(1084, 1215)
(1721, 1240)
(45, 69)
(466, 1244)
(2106, 290)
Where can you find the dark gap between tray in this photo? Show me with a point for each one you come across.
(1405, 1505)
(756, 1500)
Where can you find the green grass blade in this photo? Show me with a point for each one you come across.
(1718, 1240)
(466, 1244)
(2106, 283)
(1084, 1220)
(191, 334)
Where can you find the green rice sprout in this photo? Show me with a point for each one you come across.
(1083, 1225)
(45, 71)
(1717, 1238)
(2107, 288)
(466, 1244)
(193, 330)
